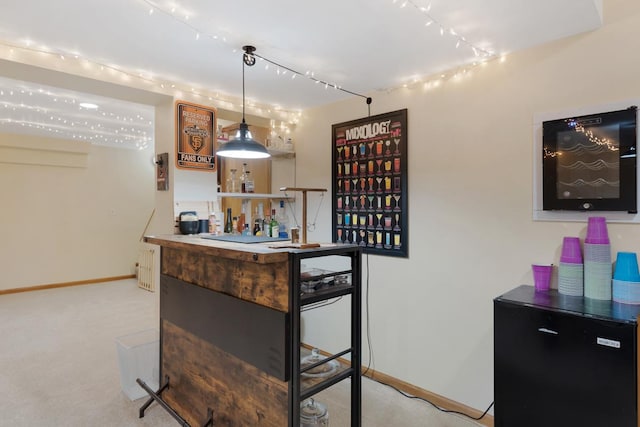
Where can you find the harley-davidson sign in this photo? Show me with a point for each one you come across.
(196, 137)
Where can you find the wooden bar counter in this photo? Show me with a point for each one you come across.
(229, 330)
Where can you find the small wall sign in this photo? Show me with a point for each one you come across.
(195, 136)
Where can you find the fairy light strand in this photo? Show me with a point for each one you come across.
(432, 21)
(310, 76)
(226, 101)
(482, 54)
(199, 32)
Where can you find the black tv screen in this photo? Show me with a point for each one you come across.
(589, 162)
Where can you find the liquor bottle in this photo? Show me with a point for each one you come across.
(212, 217)
(266, 226)
(228, 226)
(234, 225)
(282, 222)
(248, 183)
(241, 220)
(243, 178)
(275, 228)
(257, 231)
(212, 223)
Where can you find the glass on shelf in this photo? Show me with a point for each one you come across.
(323, 370)
(233, 183)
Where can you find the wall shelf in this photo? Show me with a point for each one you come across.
(287, 154)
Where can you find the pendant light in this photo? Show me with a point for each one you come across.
(243, 146)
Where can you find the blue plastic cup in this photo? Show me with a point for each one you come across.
(626, 267)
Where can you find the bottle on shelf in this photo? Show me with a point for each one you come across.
(212, 217)
(232, 182)
(257, 223)
(212, 223)
(241, 220)
(275, 228)
(260, 216)
(266, 226)
(228, 226)
(243, 179)
(234, 225)
(282, 221)
(248, 182)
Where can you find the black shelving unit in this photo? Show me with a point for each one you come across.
(298, 391)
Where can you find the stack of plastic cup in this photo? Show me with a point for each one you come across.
(597, 260)
(626, 279)
(571, 268)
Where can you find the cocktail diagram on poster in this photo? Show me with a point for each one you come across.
(370, 183)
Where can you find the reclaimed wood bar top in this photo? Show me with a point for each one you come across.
(261, 253)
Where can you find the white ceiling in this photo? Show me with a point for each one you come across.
(363, 46)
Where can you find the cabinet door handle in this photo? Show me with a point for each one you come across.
(548, 331)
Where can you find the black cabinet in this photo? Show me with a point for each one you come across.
(563, 361)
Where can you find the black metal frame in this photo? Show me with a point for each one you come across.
(625, 121)
(157, 397)
(292, 332)
(297, 301)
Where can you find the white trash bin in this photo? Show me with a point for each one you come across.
(139, 357)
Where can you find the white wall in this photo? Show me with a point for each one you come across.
(62, 224)
(472, 236)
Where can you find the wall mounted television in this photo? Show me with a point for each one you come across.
(589, 162)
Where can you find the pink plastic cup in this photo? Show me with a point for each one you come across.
(571, 251)
(597, 231)
(542, 276)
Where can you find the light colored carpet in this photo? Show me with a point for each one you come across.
(59, 364)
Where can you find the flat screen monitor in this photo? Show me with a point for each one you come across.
(589, 162)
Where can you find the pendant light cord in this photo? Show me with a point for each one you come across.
(243, 92)
(249, 58)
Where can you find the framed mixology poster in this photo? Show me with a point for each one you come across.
(195, 137)
(369, 183)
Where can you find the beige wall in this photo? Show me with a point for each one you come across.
(472, 236)
(76, 213)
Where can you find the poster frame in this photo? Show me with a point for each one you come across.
(375, 194)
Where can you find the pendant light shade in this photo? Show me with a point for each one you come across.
(243, 146)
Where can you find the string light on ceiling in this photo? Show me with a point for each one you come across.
(280, 70)
(47, 109)
(165, 86)
(481, 54)
(460, 40)
(67, 59)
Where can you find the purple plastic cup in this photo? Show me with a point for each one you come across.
(597, 231)
(571, 251)
(542, 276)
